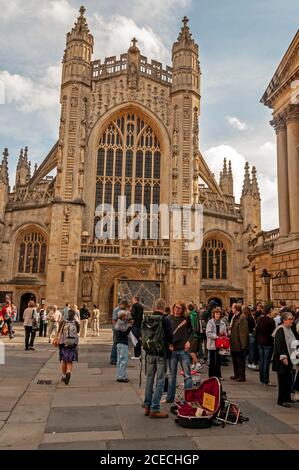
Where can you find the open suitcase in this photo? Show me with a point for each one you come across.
(201, 405)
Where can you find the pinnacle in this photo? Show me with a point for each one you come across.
(82, 10)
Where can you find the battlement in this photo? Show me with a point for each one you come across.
(113, 66)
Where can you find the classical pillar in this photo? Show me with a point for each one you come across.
(280, 127)
(292, 118)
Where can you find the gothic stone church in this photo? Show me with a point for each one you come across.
(128, 127)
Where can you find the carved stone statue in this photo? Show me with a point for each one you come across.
(83, 135)
(175, 140)
(86, 287)
(174, 160)
(133, 76)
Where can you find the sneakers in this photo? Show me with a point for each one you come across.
(158, 414)
(67, 378)
(62, 378)
(31, 348)
(252, 366)
(136, 358)
(123, 380)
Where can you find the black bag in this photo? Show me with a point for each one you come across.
(152, 335)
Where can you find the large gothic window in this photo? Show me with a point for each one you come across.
(129, 164)
(213, 260)
(32, 253)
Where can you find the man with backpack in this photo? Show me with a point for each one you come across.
(156, 337)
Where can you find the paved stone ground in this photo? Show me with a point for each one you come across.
(96, 412)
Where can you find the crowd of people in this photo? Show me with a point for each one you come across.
(251, 335)
(184, 334)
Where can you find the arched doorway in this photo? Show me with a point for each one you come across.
(216, 300)
(24, 303)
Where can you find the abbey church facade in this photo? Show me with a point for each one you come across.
(128, 127)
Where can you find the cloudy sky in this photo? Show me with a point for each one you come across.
(241, 44)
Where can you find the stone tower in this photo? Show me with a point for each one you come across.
(251, 201)
(23, 168)
(4, 186)
(185, 104)
(68, 206)
(226, 179)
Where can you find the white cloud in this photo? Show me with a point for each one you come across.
(113, 36)
(30, 95)
(57, 10)
(268, 186)
(236, 123)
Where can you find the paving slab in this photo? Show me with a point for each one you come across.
(171, 443)
(86, 436)
(135, 424)
(74, 398)
(85, 418)
(30, 414)
(290, 441)
(36, 398)
(289, 418)
(4, 415)
(13, 435)
(91, 445)
(258, 442)
(264, 422)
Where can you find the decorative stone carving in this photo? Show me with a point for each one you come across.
(67, 213)
(175, 140)
(86, 287)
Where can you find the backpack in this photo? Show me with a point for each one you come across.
(152, 335)
(70, 335)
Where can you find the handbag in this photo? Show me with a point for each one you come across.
(35, 324)
(222, 343)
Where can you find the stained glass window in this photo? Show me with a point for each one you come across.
(214, 260)
(32, 253)
(133, 170)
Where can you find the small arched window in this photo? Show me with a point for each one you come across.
(213, 260)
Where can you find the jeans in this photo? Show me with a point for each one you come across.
(43, 328)
(136, 330)
(113, 355)
(251, 349)
(9, 326)
(29, 334)
(265, 353)
(155, 367)
(183, 358)
(122, 360)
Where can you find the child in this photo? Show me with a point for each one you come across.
(122, 329)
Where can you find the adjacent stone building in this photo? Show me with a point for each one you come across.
(277, 251)
(128, 127)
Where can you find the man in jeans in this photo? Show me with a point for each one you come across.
(182, 335)
(156, 366)
(122, 306)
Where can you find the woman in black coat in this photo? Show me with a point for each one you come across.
(281, 359)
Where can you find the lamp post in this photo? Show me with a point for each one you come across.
(266, 279)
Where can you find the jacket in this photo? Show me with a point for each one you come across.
(239, 337)
(280, 349)
(183, 334)
(211, 333)
(263, 332)
(29, 314)
(137, 314)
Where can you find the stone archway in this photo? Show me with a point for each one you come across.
(24, 303)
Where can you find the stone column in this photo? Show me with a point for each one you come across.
(280, 127)
(293, 165)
